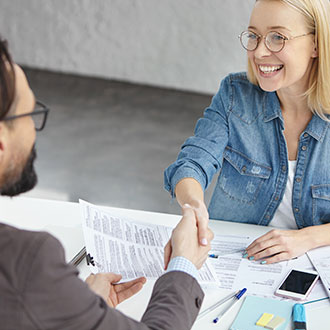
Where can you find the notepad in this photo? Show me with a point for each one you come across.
(254, 307)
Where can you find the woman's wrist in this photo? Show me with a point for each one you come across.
(316, 236)
(193, 202)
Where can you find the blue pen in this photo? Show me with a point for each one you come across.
(217, 304)
(236, 298)
(213, 255)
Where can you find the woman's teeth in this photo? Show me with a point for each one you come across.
(269, 69)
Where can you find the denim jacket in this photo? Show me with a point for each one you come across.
(241, 136)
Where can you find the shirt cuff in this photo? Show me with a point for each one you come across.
(182, 264)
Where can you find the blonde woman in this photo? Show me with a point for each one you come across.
(267, 133)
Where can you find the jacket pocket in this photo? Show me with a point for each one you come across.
(241, 178)
(321, 203)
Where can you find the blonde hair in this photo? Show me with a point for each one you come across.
(317, 15)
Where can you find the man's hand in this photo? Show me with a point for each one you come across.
(104, 285)
(184, 241)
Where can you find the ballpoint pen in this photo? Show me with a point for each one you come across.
(220, 302)
(213, 255)
(237, 297)
(78, 257)
(217, 255)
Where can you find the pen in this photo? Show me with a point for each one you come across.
(213, 256)
(313, 301)
(78, 257)
(237, 297)
(207, 310)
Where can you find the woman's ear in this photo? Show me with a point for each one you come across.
(315, 53)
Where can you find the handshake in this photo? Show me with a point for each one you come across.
(185, 240)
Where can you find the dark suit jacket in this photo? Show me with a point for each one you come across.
(38, 290)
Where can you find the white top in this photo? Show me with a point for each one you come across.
(284, 217)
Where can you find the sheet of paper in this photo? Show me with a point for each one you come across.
(321, 260)
(235, 273)
(128, 247)
(134, 249)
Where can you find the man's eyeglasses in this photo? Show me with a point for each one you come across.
(274, 41)
(39, 116)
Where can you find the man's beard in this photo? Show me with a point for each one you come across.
(25, 181)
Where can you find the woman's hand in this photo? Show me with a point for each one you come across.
(278, 245)
(202, 220)
(189, 191)
(104, 285)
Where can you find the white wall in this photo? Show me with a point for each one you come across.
(183, 44)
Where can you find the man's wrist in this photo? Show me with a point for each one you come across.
(182, 264)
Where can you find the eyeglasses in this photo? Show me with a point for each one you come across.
(39, 116)
(274, 41)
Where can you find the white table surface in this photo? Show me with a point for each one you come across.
(63, 220)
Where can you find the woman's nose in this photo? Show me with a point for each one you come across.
(262, 51)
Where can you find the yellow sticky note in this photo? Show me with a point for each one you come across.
(264, 319)
(275, 322)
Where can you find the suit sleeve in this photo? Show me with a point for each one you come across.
(55, 298)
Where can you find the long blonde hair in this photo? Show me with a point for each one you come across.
(317, 15)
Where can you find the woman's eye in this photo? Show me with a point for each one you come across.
(277, 37)
(252, 36)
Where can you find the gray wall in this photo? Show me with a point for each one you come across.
(182, 44)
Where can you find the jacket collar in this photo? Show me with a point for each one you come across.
(316, 128)
(271, 107)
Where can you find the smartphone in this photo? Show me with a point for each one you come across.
(297, 284)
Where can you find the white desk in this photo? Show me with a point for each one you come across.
(29, 213)
(61, 219)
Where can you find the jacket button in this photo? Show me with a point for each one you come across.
(198, 302)
(298, 180)
(276, 198)
(296, 210)
(244, 169)
(304, 148)
(306, 134)
(283, 168)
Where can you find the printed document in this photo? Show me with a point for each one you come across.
(320, 258)
(128, 247)
(235, 272)
(133, 249)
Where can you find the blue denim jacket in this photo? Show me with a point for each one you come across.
(241, 135)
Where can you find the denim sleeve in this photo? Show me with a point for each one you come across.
(201, 155)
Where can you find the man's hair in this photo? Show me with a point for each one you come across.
(7, 79)
(317, 17)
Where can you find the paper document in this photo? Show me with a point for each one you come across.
(128, 247)
(320, 258)
(133, 249)
(235, 273)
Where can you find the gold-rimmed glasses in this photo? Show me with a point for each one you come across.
(274, 41)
